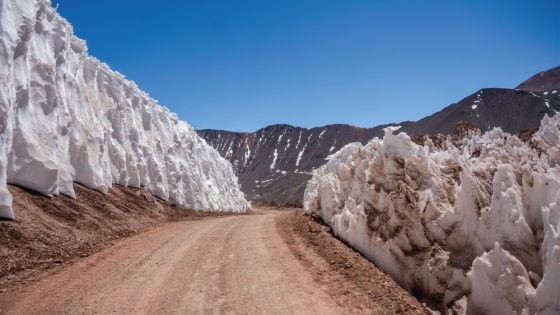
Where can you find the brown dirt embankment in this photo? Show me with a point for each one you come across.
(49, 232)
(350, 278)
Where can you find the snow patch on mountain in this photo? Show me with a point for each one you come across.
(300, 154)
(471, 225)
(299, 139)
(275, 156)
(67, 117)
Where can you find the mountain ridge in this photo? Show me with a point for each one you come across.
(274, 162)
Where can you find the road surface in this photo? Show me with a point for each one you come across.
(224, 265)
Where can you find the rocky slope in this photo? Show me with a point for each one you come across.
(274, 163)
(542, 81)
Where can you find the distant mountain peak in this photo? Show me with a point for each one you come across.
(548, 80)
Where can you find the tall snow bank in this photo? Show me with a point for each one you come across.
(65, 116)
(471, 227)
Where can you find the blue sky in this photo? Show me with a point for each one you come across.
(242, 65)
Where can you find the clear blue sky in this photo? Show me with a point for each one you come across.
(242, 65)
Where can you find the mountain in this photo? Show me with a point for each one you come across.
(66, 117)
(542, 81)
(275, 163)
(511, 110)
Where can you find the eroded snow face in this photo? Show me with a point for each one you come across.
(65, 116)
(474, 228)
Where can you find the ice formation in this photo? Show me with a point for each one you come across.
(471, 225)
(66, 117)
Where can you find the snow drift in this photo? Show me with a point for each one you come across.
(470, 225)
(66, 117)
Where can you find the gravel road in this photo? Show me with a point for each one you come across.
(224, 265)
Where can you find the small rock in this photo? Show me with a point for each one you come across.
(58, 261)
(3, 290)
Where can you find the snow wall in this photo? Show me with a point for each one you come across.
(469, 228)
(65, 117)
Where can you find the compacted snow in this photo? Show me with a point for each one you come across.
(65, 117)
(470, 225)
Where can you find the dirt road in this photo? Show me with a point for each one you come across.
(226, 265)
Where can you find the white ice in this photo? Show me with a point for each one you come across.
(66, 117)
(472, 226)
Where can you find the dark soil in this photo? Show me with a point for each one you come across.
(527, 134)
(298, 203)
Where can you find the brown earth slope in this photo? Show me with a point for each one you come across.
(351, 278)
(52, 231)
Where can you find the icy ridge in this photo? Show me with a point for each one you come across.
(473, 227)
(65, 117)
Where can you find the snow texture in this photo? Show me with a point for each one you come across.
(66, 117)
(471, 226)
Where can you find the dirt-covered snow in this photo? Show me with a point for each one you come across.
(469, 225)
